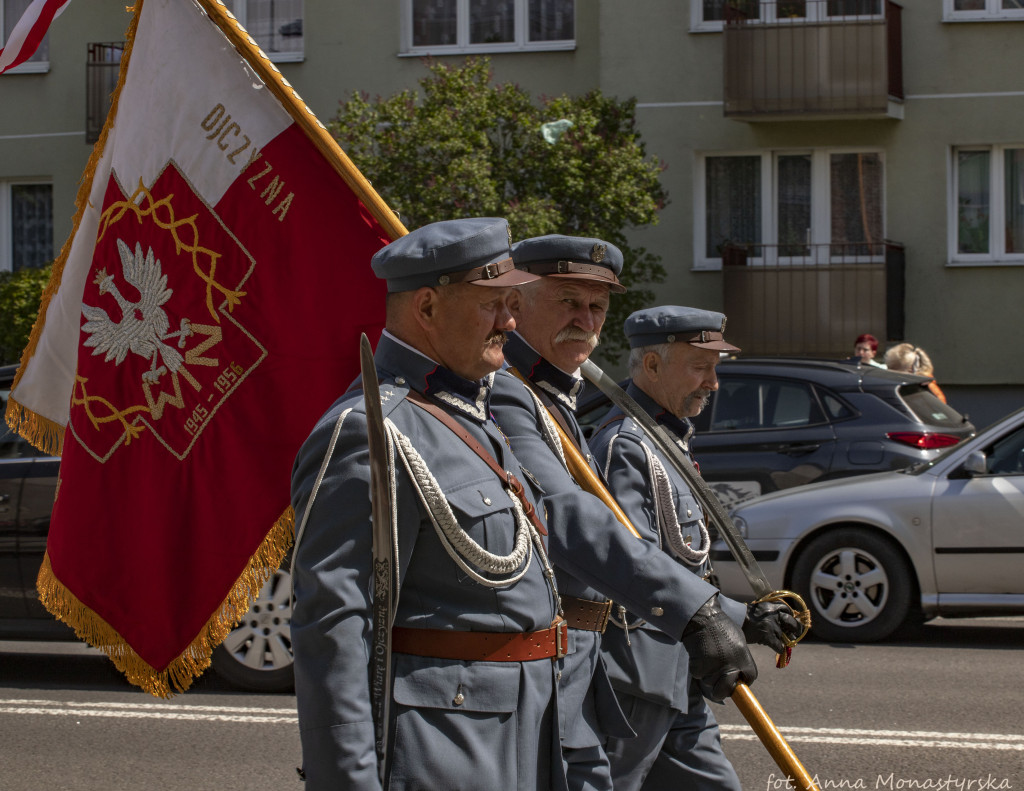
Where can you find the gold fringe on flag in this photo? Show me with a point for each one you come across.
(45, 434)
(190, 663)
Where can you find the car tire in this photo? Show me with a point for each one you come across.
(257, 654)
(857, 585)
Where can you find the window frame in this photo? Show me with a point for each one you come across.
(463, 47)
(993, 12)
(768, 16)
(821, 212)
(240, 10)
(29, 66)
(6, 207)
(996, 254)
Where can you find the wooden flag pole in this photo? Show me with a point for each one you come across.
(303, 116)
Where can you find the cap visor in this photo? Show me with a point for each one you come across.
(614, 286)
(717, 346)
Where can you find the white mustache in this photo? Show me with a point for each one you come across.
(570, 334)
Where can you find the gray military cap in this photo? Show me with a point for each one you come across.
(475, 250)
(676, 324)
(571, 257)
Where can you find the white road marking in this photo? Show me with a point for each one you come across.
(857, 736)
(156, 711)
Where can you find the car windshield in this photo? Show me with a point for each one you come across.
(929, 409)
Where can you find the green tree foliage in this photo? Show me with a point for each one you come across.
(465, 146)
(20, 294)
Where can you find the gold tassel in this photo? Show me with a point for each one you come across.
(190, 663)
(43, 433)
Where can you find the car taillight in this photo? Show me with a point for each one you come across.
(923, 439)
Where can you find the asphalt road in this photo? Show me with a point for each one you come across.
(936, 709)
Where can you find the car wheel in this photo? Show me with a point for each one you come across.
(856, 583)
(257, 654)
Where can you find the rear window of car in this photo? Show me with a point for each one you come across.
(928, 408)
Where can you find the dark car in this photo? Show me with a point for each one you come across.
(776, 423)
(256, 655)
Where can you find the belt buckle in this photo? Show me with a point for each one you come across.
(561, 637)
(606, 613)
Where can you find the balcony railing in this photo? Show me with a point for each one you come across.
(812, 300)
(792, 59)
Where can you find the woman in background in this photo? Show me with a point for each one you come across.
(913, 359)
(865, 348)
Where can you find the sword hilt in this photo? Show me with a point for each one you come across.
(798, 607)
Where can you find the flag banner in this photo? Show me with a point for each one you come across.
(203, 314)
(27, 34)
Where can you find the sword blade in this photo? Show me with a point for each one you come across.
(713, 509)
(383, 585)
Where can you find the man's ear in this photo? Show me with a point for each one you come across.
(652, 366)
(514, 301)
(425, 305)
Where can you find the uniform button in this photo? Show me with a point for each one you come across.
(458, 699)
(400, 380)
(689, 512)
(558, 676)
(657, 611)
(687, 539)
(487, 501)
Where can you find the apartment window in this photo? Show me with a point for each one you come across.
(710, 15)
(982, 10)
(799, 206)
(26, 225)
(102, 69)
(988, 205)
(276, 25)
(10, 12)
(457, 26)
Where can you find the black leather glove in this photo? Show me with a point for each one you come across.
(768, 623)
(719, 657)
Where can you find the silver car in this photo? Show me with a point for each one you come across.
(945, 537)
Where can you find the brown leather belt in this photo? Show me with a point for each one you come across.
(591, 616)
(482, 646)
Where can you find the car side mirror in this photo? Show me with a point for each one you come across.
(974, 464)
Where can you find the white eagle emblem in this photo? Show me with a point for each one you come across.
(144, 325)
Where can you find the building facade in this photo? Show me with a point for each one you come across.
(833, 166)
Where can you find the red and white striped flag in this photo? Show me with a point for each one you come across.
(28, 33)
(203, 314)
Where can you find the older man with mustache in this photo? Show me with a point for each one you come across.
(558, 323)
(674, 351)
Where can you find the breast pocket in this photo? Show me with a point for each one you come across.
(484, 512)
(455, 724)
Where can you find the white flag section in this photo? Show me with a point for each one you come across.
(205, 312)
(142, 143)
(28, 33)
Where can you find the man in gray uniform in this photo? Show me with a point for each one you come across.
(558, 320)
(674, 351)
(476, 634)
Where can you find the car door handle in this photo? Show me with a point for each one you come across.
(798, 448)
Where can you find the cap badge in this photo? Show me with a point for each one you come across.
(597, 253)
(723, 326)
(509, 229)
